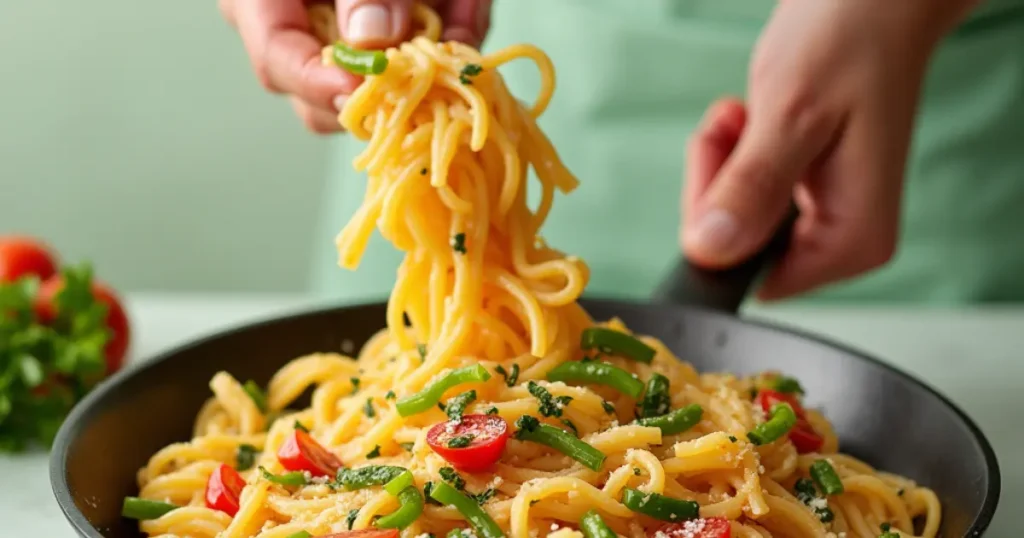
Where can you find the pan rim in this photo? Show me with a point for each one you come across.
(71, 427)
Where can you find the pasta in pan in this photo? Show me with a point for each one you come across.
(492, 404)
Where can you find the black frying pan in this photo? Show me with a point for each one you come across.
(881, 414)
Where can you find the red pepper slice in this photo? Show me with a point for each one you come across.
(365, 533)
(488, 436)
(300, 452)
(223, 490)
(705, 527)
(803, 436)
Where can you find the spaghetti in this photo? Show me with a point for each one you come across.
(610, 432)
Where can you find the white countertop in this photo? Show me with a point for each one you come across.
(972, 356)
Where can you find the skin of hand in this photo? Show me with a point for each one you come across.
(285, 55)
(832, 93)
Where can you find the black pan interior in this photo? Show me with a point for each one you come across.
(880, 414)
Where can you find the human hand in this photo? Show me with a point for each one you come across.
(832, 93)
(285, 54)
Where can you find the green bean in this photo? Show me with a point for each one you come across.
(659, 506)
(429, 396)
(826, 477)
(530, 429)
(482, 523)
(593, 526)
(410, 507)
(256, 394)
(677, 421)
(141, 509)
(614, 342)
(598, 373)
(294, 478)
(397, 484)
(359, 62)
(657, 400)
(781, 419)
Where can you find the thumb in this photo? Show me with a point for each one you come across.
(373, 24)
(740, 209)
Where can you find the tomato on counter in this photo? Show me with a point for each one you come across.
(23, 256)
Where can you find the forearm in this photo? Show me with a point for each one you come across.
(933, 18)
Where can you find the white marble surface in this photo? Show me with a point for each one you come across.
(972, 356)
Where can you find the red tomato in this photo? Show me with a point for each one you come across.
(803, 436)
(21, 256)
(300, 452)
(117, 320)
(489, 436)
(223, 490)
(365, 533)
(705, 527)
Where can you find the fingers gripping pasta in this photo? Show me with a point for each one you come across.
(610, 433)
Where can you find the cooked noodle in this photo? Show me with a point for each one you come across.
(447, 165)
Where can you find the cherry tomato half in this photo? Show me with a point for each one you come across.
(365, 533)
(803, 436)
(705, 527)
(300, 452)
(22, 256)
(117, 320)
(488, 435)
(223, 490)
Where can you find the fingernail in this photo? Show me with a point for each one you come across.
(715, 233)
(369, 22)
(339, 102)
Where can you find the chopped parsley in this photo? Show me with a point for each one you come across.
(422, 348)
(492, 411)
(510, 377)
(245, 457)
(900, 492)
(571, 426)
(526, 423)
(456, 405)
(406, 446)
(482, 498)
(461, 441)
(459, 243)
(355, 384)
(469, 71)
(368, 409)
(636, 471)
(440, 406)
(351, 518)
(390, 395)
(423, 172)
(608, 407)
(449, 475)
(300, 427)
(887, 531)
(375, 453)
(732, 438)
(806, 493)
(787, 385)
(550, 406)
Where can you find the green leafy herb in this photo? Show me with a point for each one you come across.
(300, 427)
(427, 488)
(245, 457)
(294, 478)
(422, 349)
(355, 384)
(608, 407)
(732, 438)
(449, 475)
(45, 368)
(406, 446)
(390, 395)
(256, 394)
(887, 531)
(456, 406)
(459, 243)
(461, 441)
(375, 453)
(550, 406)
(806, 493)
(636, 471)
(483, 497)
(510, 377)
(351, 518)
(571, 426)
(468, 72)
(492, 411)
(368, 409)
(900, 492)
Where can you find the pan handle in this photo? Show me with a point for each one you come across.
(723, 289)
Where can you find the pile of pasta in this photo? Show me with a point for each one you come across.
(492, 404)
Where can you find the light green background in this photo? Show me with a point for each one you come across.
(133, 134)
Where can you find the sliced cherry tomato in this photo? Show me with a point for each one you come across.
(803, 436)
(117, 320)
(300, 452)
(486, 436)
(22, 256)
(365, 533)
(705, 527)
(223, 490)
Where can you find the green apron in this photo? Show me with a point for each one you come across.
(634, 78)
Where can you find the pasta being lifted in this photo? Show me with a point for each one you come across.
(492, 405)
